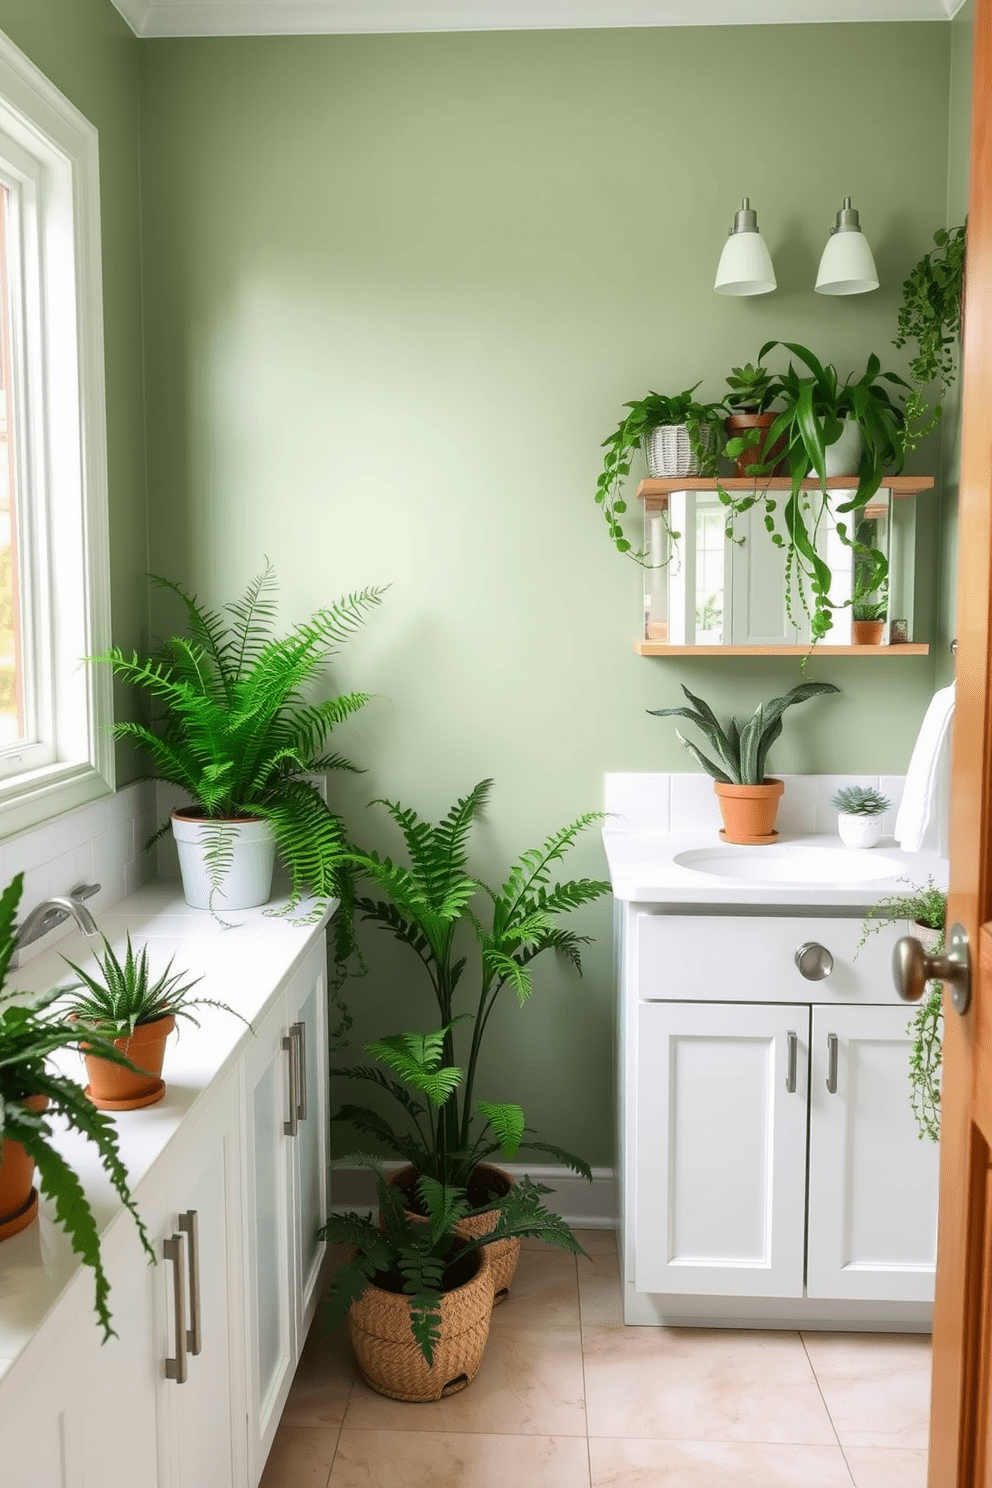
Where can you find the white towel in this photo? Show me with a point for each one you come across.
(922, 819)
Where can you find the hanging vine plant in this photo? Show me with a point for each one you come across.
(930, 315)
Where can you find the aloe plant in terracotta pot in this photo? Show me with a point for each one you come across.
(748, 798)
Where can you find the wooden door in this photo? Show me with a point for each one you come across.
(960, 1438)
(720, 1182)
(872, 1182)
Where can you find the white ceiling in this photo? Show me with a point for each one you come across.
(314, 17)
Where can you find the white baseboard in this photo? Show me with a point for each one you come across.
(585, 1206)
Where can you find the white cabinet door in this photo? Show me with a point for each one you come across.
(721, 1148)
(307, 997)
(40, 1408)
(872, 1182)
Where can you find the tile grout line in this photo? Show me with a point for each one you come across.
(833, 1424)
(582, 1356)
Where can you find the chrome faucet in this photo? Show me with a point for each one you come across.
(51, 912)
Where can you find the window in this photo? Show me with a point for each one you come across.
(55, 751)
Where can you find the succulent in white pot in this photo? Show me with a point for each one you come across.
(860, 809)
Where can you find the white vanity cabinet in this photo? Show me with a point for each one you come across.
(770, 1166)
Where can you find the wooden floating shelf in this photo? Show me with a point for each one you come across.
(662, 648)
(899, 485)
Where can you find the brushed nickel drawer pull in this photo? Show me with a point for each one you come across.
(175, 1251)
(832, 1045)
(189, 1226)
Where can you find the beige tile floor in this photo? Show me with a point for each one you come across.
(569, 1398)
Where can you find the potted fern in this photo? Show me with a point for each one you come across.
(32, 1096)
(125, 1004)
(427, 906)
(237, 735)
(748, 798)
(417, 1291)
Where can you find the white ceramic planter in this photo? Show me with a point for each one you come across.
(844, 456)
(859, 831)
(246, 883)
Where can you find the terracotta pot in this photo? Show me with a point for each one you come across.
(867, 632)
(749, 811)
(503, 1254)
(114, 1088)
(18, 1200)
(738, 424)
(388, 1356)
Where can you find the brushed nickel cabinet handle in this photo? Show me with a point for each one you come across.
(291, 1044)
(790, 1078)
(832, 1046)
(189, 1226)
(175, 1251)
(300, 1029)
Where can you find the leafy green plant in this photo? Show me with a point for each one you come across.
(752, 389)
(427, 904)
(815, 405)
(742, 750)
(125, 994)
(925, 905)
(234, 730)
(29, 1035)
(417, 1256)
(870, 612)
(930, 315)
(860, 800)
(651, 412)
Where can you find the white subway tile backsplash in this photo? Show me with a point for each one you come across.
(694, 803)
(797, 808)
(637, 800)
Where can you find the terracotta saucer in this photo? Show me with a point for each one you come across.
(134, 1103)
(750, 841)
(14, 1223)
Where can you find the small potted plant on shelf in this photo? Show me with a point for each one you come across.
(748, 798)
(418, 1291)
(831, 428)
(860, 809)
(125, 1005)
(236, 734)
(930, 315)
(32, 1096)
(752, 392)
(426, 907)
(925, 908)
(679, 436)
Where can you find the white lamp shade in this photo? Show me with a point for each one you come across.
(847, 266)
(745, 266)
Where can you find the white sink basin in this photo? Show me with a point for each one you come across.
(791, 865)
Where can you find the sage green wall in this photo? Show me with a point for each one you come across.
(86, 49)
(397, 291)
(959, 130)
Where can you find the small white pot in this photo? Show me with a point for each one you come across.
(844, 456)
(247, 881)
(859, 831)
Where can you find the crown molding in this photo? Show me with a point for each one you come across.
(343, 17)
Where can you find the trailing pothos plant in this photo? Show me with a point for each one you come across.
(31, 1031)
(647, 413)
(235, 730)
(426, 906)
(816, 404)
(930, 315)
(400, 1253)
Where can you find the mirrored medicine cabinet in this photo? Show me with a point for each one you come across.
(709, 593)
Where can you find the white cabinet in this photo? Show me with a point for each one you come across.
(770, 1165)
(40, 1418)
(284, 1082)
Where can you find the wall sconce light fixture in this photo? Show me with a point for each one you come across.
(745, 266)
(847, 266)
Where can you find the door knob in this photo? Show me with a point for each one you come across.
(814, 961)
(912, 968)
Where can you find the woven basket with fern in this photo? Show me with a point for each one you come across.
(234, 729)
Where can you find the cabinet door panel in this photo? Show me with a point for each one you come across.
(310, 1146)
(721, 1149)
(873, 1183)
(40, 1408)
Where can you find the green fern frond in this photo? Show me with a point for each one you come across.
(507, 1123)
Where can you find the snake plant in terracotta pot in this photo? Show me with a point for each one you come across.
(748, 798)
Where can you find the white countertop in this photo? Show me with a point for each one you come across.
(643, 869)
(241, 966)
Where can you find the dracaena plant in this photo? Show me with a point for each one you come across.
(234, 728)
(741, 750)
(31, 1032)
(404, 1254)
(817, 403)
(428, 908)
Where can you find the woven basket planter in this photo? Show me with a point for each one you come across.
(668, 449)
(503, 1254)
(389, 1358)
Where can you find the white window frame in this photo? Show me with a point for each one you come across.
(49, 155)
